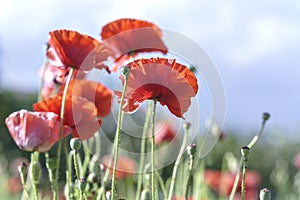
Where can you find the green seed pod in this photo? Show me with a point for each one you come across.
(75, 144)
(125, 71)
(187, 125)
(82, 184)
(22, 168)
(191, 149)
(265, 194)
(266, 116)
(245, 151)
(51, 163)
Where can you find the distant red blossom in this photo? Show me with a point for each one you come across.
(222, 183)
(164, 132)
(168, 82)
(126, 166)
(35, 131)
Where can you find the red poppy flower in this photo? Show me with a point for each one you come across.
(35, 131)
(125, 167)
(80, 114)
(92, 91)
(71, 49)
(163, 133)
(125, 36)
(222, 183)
(170, 83)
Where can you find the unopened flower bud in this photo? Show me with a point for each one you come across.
(81, 184)
(265, 194)
(125, 71)
(187, 125)
(245, 151)
(51, 163)
(22, 168)
(191, 149)
(145, 195)
(75, 144)
(92, 178)
(266, 116)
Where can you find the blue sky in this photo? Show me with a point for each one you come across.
(254, 44)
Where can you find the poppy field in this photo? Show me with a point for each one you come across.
(121, 117)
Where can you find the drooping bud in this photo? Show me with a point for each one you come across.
(125, 71)
(266, 116)
(191, 149)
(75, 144)
(245, 151)
(22, 168)
(51, 163)
(81, 184)
(265, 194)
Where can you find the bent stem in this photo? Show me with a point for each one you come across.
(152, 151)
(61, 125)
(250, 145)
(143, 145)
(244, 178)
(181, 151)
(117, 137)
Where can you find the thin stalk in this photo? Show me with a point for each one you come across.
(152, 151)
(181, 151)
(161, 183)
(22, 175)
(189, 182)
(68, 168)
(244, 178)
(33, 176)
(143, 147)
(49, 165)
(61, 125)
(250, 145)
(117, 140)
(75, 156)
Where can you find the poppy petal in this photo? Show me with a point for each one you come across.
(35, 131)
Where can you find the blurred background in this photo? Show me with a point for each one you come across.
(255, 46)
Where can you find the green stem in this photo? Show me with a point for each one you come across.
(68, 168)
(62, 117)
(245, 162)
(181, 151)
(75, 156)
(152, 151)
(250, 145)
(51, 175)
(117, 140)
(189, 181)
(161, 183)
(143, 147)
(34, 160)
(25, 190)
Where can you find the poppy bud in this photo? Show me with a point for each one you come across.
(266, 116)
(81, 184)
(265, 194)
(191, 149)
(125, 71)
(51, 163)
(22, 168)
(75, 144)
(92, 178)
(245, 151)
(187, 125)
